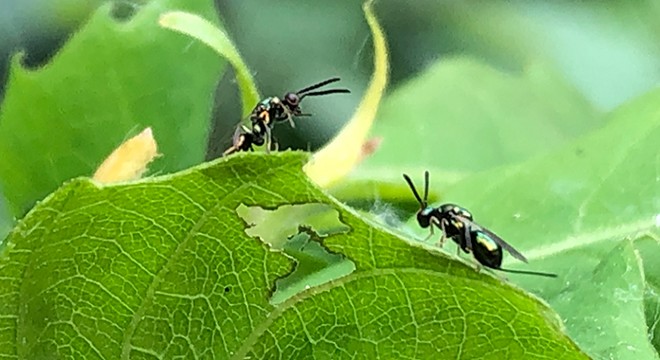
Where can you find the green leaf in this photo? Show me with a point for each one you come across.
(616, 285)
(6, 222)
(567, 212)
(342, 154)
(110, 80)
(461, 116)
(163, 268)
(648, 247)
(206, 32)
(315, 265)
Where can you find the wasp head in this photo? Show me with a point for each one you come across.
(424, 216)
(291, 100)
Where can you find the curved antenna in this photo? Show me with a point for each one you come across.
(422, 203)
(528, 272)
(324, 92)
(306, 91)
(318, 85)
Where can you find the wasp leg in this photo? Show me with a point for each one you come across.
(289, 117)
(276, 145)
(443, 224)
(229, 151)
(468, 239)
(430, 234)
(269, 139)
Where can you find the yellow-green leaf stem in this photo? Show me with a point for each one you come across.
(337, 158)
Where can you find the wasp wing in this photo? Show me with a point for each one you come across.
(515, 253)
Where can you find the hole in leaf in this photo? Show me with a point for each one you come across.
(275, 227)
(299, 231)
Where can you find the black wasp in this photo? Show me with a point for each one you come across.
(272, 110)
(456, 223)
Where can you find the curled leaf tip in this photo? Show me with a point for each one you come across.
(338, 158)
(167, 20)
(218, 40)
(129, 160)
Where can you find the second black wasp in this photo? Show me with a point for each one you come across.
(457, 224)
(272, 110)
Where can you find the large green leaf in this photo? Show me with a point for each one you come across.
(163, 268)
(108, 81)
(461, 116)
(569, 210)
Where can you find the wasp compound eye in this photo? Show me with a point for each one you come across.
(292, 99)
(423, 219)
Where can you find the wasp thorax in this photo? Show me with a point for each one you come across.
(456, 210)
(259, 109)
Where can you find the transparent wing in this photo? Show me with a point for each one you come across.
(515, 253)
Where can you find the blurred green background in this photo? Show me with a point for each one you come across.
(609, 50)
(518, 77)
(474, 86)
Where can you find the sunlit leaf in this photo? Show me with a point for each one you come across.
(163, 268)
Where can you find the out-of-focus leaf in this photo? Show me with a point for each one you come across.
(338, 158)
(586, 40)
(109, 80)
(213, 36)
(567, 212)
(463, 116)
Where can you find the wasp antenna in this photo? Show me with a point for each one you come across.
(318, 85)
(528, 272)
(422, 204)
(324, 92)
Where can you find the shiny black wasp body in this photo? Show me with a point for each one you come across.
(273, 110)
(244, 140)
(457, 224)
